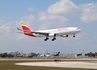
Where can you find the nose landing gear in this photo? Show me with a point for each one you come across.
(74, 35)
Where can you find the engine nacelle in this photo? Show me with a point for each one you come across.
(51, 34)
(64, 35)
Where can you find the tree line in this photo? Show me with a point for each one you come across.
(6, 55)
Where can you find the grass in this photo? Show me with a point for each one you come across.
(9, 65)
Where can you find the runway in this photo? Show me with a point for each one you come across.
(74, 64)
(89, 63)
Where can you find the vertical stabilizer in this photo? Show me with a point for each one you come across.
(26, 29)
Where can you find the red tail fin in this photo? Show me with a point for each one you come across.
(26, 29)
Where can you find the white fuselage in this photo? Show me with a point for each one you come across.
(59, 32)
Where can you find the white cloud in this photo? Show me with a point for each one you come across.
(29, 20)
(89, 12)
(44, 21)
(6, 30)
(62, 7)
(51, 21)
(30, 9)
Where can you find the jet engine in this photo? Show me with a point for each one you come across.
(64, 35)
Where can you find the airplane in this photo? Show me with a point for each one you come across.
(57, 54)
(62, 32)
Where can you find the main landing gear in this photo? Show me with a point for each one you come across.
(54, 38)
(46, 39)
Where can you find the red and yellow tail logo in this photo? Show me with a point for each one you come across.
(26, 29)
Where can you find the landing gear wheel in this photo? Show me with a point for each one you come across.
(66, 35)
(46, 39)
(53, 39)
(73, 35)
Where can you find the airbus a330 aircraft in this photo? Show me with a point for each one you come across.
(62, 32)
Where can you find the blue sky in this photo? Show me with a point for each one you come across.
(19, 8)
(38, 14)
(83, 1)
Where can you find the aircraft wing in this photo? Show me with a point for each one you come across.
(41, 33)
